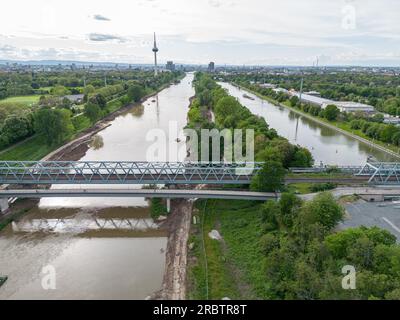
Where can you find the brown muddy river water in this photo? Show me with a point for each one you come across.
(106, 248)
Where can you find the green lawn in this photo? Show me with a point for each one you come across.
(32, 149)
(27, 100)
(236, 265)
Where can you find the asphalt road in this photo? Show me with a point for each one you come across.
(385, 215)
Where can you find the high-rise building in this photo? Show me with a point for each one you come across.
(155, 50)
(211, 67)
(170, 66)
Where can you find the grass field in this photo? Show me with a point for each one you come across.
(235, 265)
(32, 149)
(27, 100)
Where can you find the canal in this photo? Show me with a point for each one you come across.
(326, 145)
(110, 248)
(99, 248)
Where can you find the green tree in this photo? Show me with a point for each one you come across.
(270, 178)
(92, 111)
(98, 99)
(331, 112)
(55, 124)
(88, 90)
(16, 128)
(60, 91)
(294, 101)
(323, 210)
(290, 205)
(135, 92)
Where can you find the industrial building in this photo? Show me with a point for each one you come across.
(348, 106)
(170, 66)
(344, 106)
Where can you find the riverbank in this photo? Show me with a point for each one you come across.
(231, 267)
(35, 148)
(72, 150)
(178, 227)
(324, 123)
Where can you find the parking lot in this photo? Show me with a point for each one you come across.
(385, 215)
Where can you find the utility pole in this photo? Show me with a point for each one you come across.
(301, 87)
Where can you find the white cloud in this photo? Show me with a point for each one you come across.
(228, 31)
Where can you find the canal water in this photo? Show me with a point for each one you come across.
(106, 248)
(326, 145)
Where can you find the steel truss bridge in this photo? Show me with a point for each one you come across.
(118, 172)
(170, 173)
(375, 173)
(386, 173)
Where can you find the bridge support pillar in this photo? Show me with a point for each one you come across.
(4, 205)
(168, 205)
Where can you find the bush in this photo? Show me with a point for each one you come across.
(320, 187)
(157, 208)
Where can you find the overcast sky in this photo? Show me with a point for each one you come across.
(268, 32)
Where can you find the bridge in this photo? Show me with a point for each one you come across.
(140, 193)
(167, 173)
(116, 172)
(374, 173)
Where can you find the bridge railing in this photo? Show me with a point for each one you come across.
(62, 172)
(326, 169)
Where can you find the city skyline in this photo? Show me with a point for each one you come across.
(342, 32)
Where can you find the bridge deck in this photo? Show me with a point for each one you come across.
(146, 193)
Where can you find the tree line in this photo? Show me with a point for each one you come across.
(54, 118)
(305, 254)
(370, 125)
(379, 90)
(277, 153)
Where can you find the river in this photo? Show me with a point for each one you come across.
(110, 248)
(325, 144)
(106, 248)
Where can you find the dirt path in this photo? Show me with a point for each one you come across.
(178, 227)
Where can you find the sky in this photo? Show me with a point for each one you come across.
(239, 32)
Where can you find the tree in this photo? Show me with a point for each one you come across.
(323, 210)
(331, 112)
(55, 124)
(302, 158)
(269, 242)
(290, 205)
(294, 101)
(16, 128)
(59, 91)
(89, 89)
(99, 100)
(92, 111)
(270, 178)
(135, 92)
(227, 106)
(270, 211)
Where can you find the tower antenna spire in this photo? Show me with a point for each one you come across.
(155, 50)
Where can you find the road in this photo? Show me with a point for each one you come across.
(146, 193)
(362, 191)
